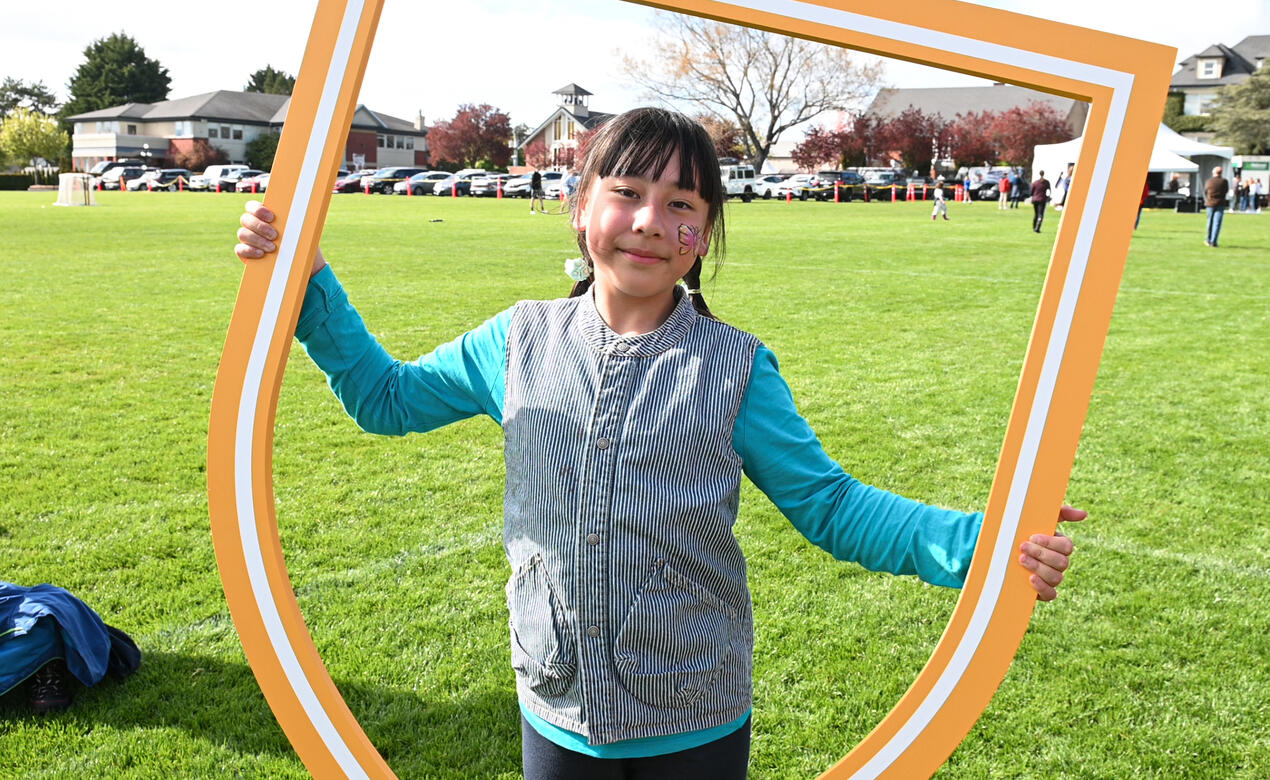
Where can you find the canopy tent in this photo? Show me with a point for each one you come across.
(1171, 153)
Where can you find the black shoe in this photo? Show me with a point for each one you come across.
(49, 689)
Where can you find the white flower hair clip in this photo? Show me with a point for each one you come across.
(577, 269)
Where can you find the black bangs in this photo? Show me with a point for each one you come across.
(641, 143)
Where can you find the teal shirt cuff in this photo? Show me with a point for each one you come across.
(631, 748)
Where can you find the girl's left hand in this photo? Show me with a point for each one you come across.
(1047, 557)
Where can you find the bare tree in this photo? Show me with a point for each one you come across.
(765, 83)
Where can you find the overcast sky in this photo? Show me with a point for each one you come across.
(432, 56)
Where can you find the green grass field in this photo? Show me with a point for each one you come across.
(902, 340)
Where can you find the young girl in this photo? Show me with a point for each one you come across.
(629, 414)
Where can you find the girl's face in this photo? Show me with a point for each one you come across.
(633, 232)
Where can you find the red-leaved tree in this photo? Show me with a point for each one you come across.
(913, 135)
(536, 155)
(200, 155)
(971, 140)
(819, 148)
(584, 138)
(857, 141)
(476, 134)
(1017, 131)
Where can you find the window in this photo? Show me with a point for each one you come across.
(132, 129)
(1210, 69)
(379, 141)
(211, 132)
(410, 142)
(558, 129)
(224, 131)
(238, 132)
(401, 142)
(573, 127)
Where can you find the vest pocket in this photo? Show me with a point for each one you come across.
(675, 640)
(542, 641)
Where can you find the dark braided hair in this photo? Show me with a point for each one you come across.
(641, 142)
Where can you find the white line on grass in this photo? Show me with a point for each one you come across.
(993, 279)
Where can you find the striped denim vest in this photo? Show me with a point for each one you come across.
(630, 613)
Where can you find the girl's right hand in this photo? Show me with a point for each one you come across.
(257, 236)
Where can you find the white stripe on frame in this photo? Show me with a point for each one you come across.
(252, 385)
(1121, 84)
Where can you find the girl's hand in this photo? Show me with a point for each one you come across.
(1047, 557)
(257, 236)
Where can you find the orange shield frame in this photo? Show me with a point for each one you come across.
(1124, 80)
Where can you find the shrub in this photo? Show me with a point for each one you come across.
(261, 150)
(15, 181)
(1187, 123)
(199, 156)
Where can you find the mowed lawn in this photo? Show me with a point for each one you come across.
(902, 340)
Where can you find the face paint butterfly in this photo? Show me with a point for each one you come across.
(692, 240)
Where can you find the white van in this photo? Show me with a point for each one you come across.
(208, 178)
(739, 181)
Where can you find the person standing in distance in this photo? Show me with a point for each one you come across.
(1040, 196)
(1216, 190)
(535, 194)
(940, 206)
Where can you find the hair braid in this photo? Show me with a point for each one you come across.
(693, 280)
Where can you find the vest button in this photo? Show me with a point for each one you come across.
(593, 631)
(592, 539)
(621, 346)
(603, 443)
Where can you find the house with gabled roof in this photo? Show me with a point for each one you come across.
(1201, 76)
(230, 120)
(559, 131)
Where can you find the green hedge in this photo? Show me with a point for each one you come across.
(1187, 123)
(15, 181)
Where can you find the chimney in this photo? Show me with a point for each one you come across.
(419, 122)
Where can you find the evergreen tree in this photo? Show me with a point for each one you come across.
(1241, 117)
(270, 82)
(15, 93)
(115, 70)
(261, 150)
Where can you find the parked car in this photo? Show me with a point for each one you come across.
(879, 184)
(456, 183)
(257, 183)
(208, 178)
(419, 184)
(765, 186)
(353, 181)
(518, 187)
(125, 173)
(551, 185)
(159, 179)
(105, 165)
(800, 185)
(384, 179)
(738, 181)
(487, 186)
(229, 181)
(850, 185)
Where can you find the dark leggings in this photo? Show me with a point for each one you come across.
(1038, 214)
(723, 759)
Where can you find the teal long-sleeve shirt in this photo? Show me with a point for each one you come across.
(778, 449)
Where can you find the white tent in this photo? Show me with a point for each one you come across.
(1172, 152)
